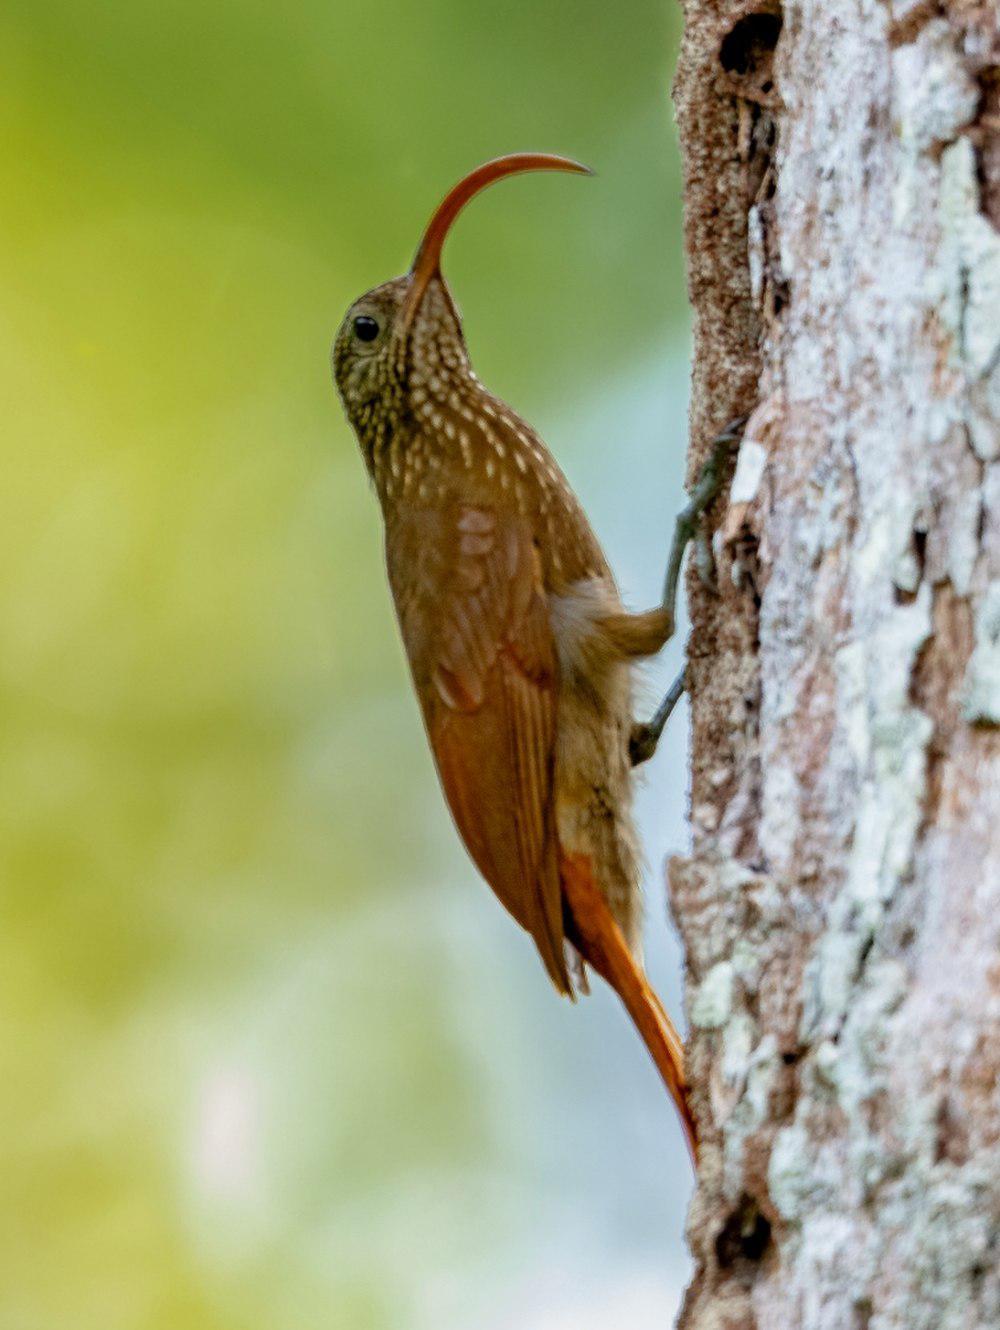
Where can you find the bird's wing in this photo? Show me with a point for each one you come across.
(475, 623)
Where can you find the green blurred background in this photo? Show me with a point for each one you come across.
(271, 1056)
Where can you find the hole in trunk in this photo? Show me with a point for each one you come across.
(745, 1236)
(747, 49)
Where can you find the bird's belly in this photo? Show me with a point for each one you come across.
(593, 778)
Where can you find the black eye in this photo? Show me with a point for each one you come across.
(365, 328)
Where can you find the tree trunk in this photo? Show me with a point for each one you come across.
(840, 909)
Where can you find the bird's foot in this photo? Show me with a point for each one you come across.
(646, 735)
(689, 525)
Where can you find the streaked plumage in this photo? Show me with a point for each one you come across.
(518, 643)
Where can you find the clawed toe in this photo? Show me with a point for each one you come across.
(704, 561)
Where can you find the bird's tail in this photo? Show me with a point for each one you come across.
(592, 929)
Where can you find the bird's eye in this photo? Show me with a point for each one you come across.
(365, 328)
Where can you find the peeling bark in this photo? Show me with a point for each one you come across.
(840, 909)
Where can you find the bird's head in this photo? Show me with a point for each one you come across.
(405, 336)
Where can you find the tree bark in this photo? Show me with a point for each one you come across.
(840, 909)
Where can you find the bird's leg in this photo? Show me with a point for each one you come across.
(688, 527)
(646, 735)
(688, 523)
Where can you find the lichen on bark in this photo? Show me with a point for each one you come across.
(840, 908)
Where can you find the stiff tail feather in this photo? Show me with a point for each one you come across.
(592, 929)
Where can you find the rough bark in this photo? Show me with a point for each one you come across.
(840, 908)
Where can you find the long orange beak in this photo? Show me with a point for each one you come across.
(427, 263)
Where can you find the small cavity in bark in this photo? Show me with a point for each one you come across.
(910, 568)
(747, 50)
(986, 136)
(745, 1236)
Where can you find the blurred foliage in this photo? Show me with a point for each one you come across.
(264, 1063)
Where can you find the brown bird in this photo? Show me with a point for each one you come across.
(518, 643)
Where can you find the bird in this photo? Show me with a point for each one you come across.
(520, 648)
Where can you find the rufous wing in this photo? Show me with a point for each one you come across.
(475, 623)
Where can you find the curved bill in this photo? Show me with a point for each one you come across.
(428, 258)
